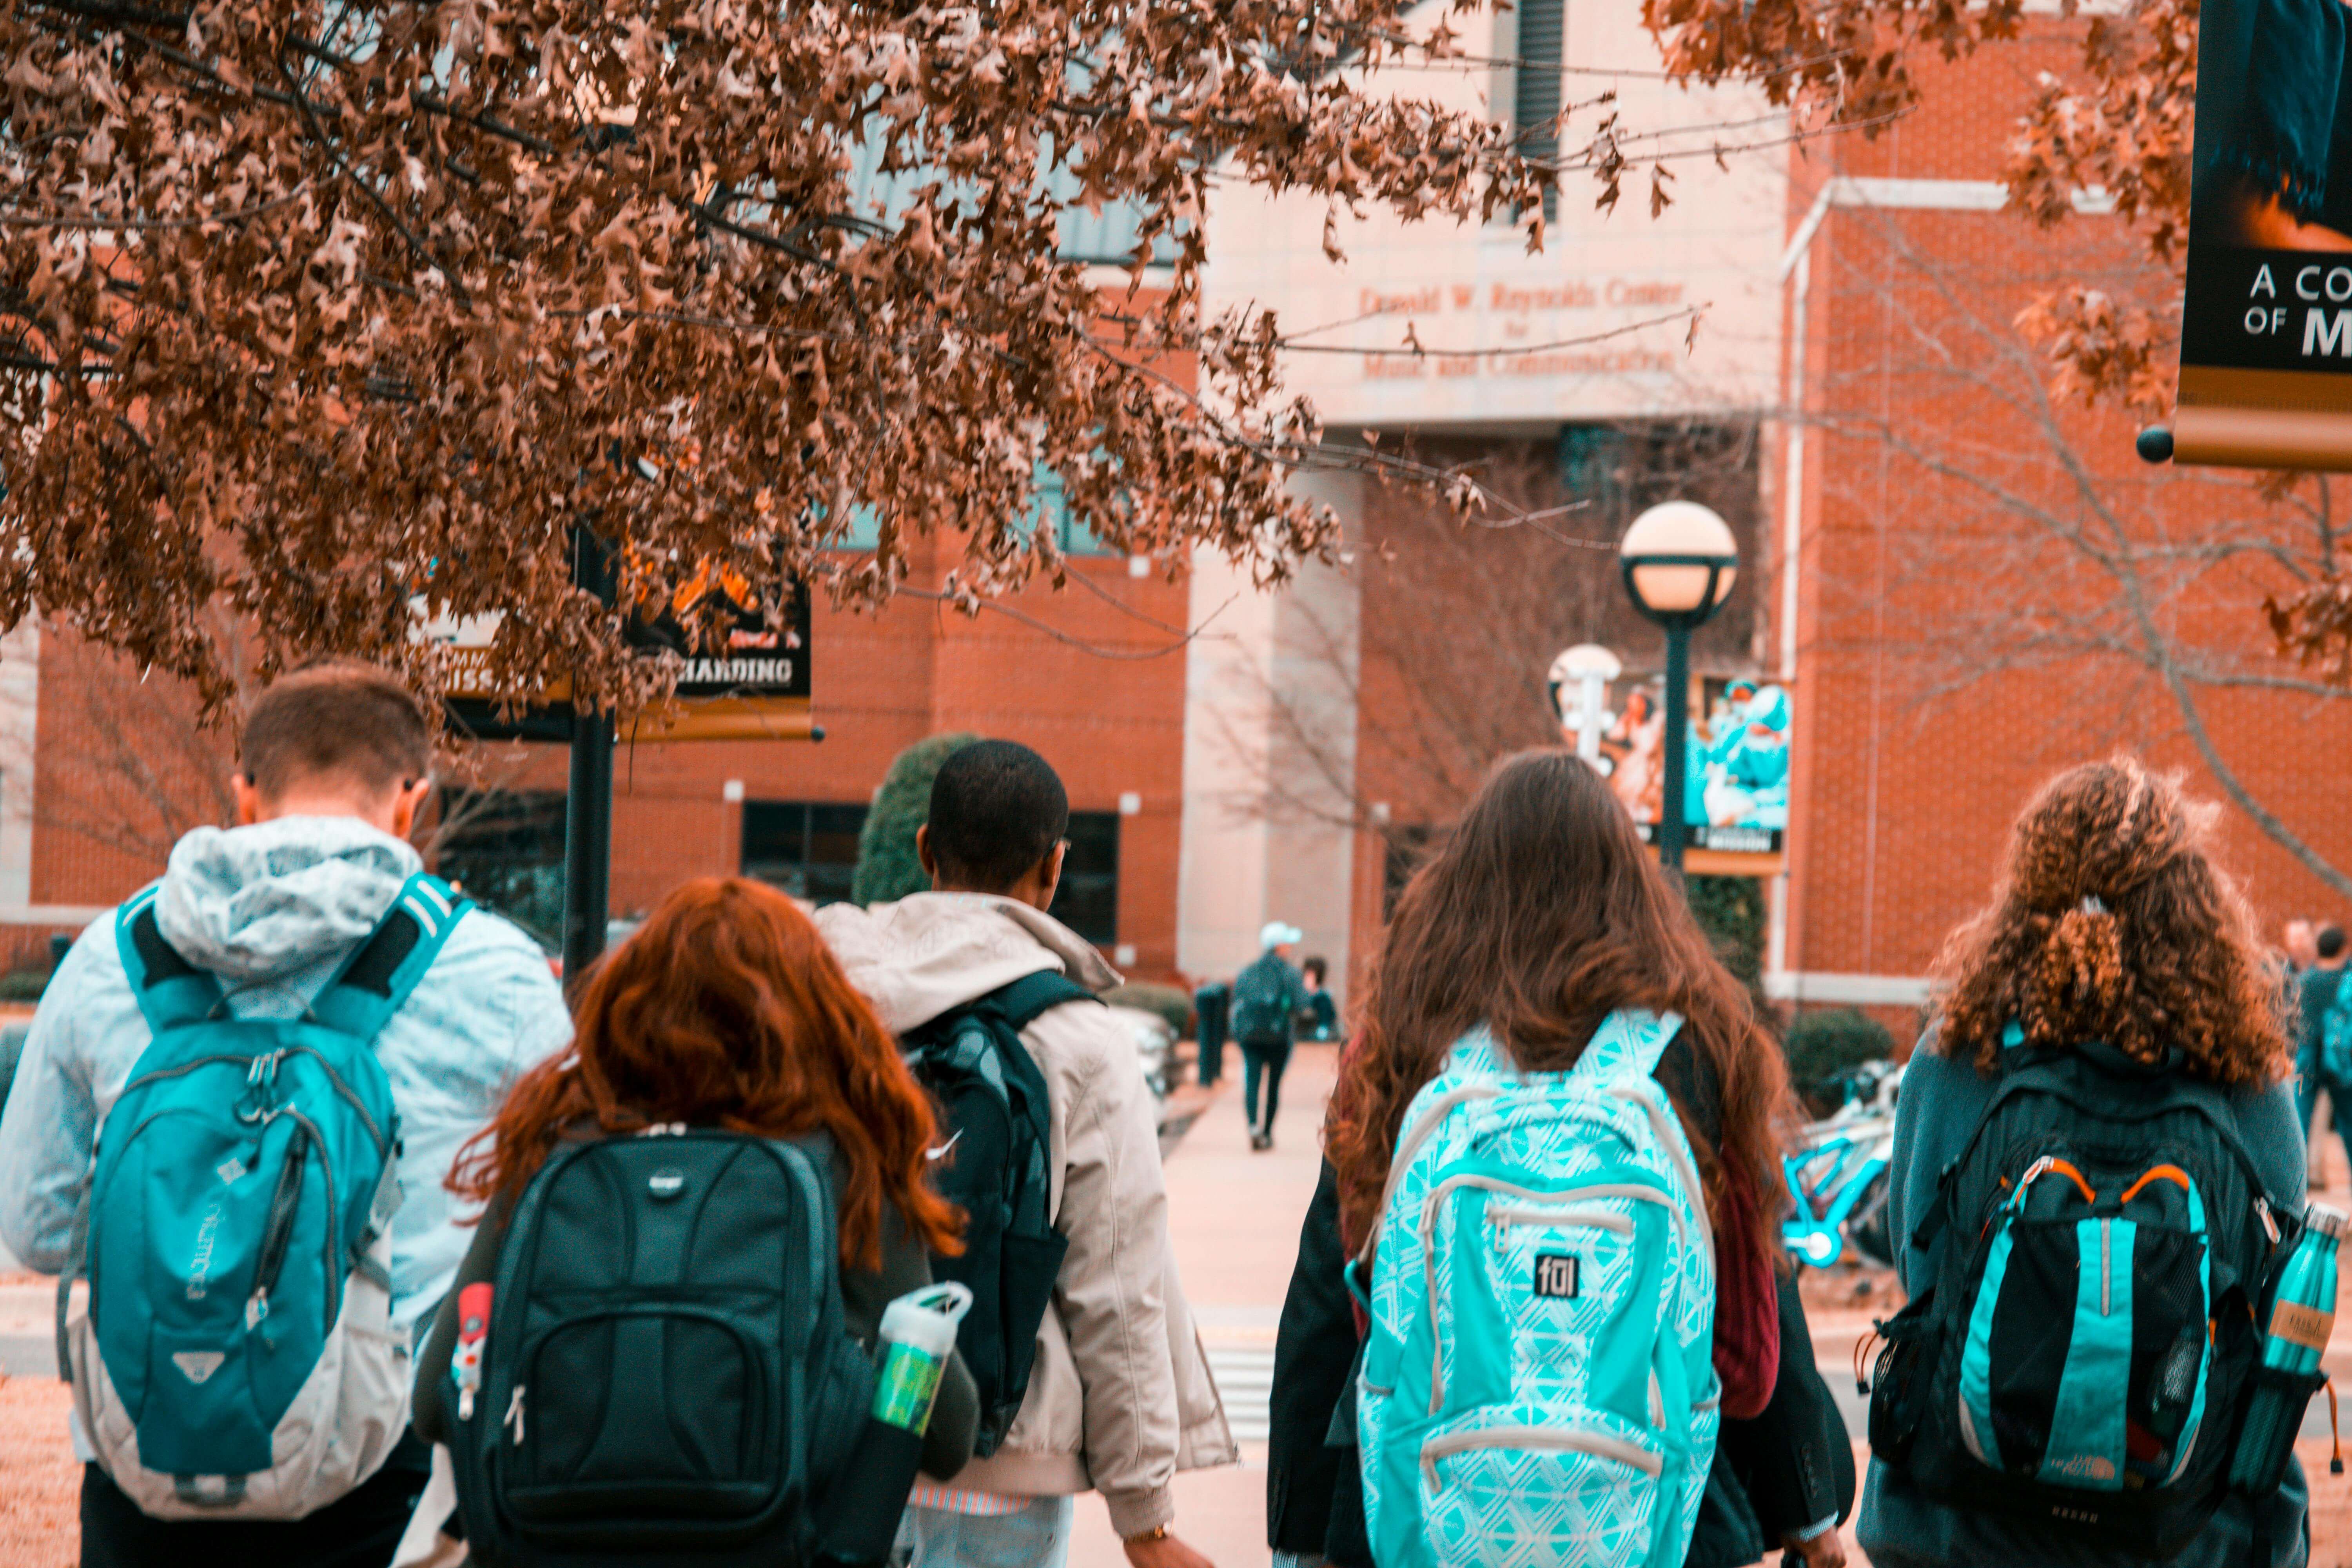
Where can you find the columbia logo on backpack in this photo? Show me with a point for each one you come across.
(234, 1357)
(1538, 1385)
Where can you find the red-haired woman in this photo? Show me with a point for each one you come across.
(727, 1010)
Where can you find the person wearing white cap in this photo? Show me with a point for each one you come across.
(1267, 997)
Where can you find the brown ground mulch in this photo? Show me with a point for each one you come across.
(40, 1484)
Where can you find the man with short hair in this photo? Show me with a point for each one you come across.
(334, 762)
(1120, 1396)
(1267, 997)
(2316, 993)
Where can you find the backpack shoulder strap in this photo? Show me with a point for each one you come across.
(1627, 1045)
(377, 979)
(1022, 1003)
(170, 992)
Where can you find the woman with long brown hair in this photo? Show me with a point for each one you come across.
(2116, 952)
(727, 1011)
(1541, 917)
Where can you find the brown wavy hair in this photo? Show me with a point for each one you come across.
(726, 1009)
(2112, 923)
(1542, 914)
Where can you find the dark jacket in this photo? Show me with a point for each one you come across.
(1942, 1102)
(2316, 991)
(1789, 1467)
(865, 1292)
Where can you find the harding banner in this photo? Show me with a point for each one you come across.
(756, 687)
(2266, 331)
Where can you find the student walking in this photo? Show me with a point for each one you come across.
(640, 1194)
(2323, 1055)
(1554, 1163)
(1268, 995)
(1322, 1015)
(2097, 1160)
(300, 1029)
(1118, 1397)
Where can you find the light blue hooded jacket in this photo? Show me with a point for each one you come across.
(273, 909)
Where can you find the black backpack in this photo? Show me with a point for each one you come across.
(2086, 1353)
(996, 1134)
(1261, 1013)
(667, 1377)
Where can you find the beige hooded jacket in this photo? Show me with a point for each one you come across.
(1121, 1397)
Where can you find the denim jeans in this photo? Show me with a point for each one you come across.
(1262, 1067)
(1038, 1536)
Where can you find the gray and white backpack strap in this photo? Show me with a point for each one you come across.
(1475, 1071)
(1623, 1054)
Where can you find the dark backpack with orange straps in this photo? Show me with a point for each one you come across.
(2085, 1355)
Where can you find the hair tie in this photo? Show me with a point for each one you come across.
(2092, 906)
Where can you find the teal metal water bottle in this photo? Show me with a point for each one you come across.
(2303, 1315)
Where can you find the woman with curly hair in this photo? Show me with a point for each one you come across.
(2113, 937)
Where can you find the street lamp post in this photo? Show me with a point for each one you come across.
(1679, 562)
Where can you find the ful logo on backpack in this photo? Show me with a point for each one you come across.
(1538, 1385)
(236, 1358)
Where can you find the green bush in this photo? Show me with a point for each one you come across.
(24, 984)
(1821, 1045)
(1169, 1001)
(1731, 909)
(887, 866)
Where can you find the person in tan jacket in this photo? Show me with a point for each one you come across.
(1121, 1397)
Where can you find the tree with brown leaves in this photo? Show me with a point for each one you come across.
(335, 317)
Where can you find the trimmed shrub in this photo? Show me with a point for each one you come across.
(1731, 909)
(1169, 1001)
(24, 984)
(1823, 1046)
(887, 866)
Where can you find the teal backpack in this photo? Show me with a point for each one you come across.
(1539, 1384)
(235, 1358)
(2335, 1037)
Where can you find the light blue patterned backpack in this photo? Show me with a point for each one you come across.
(1538, 1389)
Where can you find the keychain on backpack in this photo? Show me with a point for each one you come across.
(473, 1330)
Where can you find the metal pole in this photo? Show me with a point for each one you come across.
(588, 807)
(1676, 743)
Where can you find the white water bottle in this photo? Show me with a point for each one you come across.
(918, 1334)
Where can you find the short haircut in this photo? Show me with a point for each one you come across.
(2331, 940)
(1316, 967)
(997, 809)
(338, 720)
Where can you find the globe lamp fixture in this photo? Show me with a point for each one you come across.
(1679, 562)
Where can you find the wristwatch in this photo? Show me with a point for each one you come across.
(1156, 1532)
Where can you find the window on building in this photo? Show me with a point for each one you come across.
(505, 849)
(1535, 95)
(806, 849)
(1048, 504)
(1087, 899)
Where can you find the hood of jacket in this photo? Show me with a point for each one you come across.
(252, 903)
(930, 951)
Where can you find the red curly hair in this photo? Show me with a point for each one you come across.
(727, 1009)
(2112, 923)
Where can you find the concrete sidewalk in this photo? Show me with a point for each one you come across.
(1235, 1215)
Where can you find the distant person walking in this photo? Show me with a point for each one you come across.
(293, 1008)
(2097, 1160)
(2323, 1055)
(1120, 1397)
(1321, 1017)
(1267, 997)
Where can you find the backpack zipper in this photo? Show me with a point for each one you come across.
(514, 1416)
(2106, 1266)
(279, 1229)
(1565, 1439)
